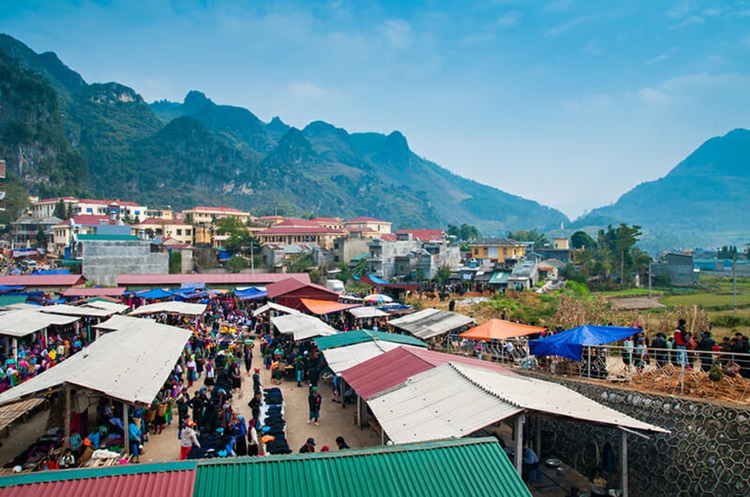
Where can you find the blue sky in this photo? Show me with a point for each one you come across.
(567, 102)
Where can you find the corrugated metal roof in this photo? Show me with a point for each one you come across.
(43, 280)
(22, 322)
(548, 397)
(342, 358)
(129, 365)
(71, 310)
(150, 480)
(430, 323)
(108, 306)
(118, 322)
(320, 307)
(396, 366)
(436, 469)
(360, 336)
(183, 308)
(302, 326)
(438, 403)
(291, 283)
(93, 292)
(275, 307)
(207, 278)
(367, 312)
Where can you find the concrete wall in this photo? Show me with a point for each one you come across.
(104, 260)
(706, 453)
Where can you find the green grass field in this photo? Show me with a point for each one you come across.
(713, 294)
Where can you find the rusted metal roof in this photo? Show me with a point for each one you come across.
(38, 280)
(209, 279)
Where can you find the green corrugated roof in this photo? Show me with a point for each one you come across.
(106, 237)
(12, 299)
(125, 469)
(359, 336)
(499, 278)
(449, 468)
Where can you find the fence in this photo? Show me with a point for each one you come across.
(664, 371)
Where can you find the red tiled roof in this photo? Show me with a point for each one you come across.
(291, 284)
(396, 366)
(162, 222)
(209, 279)
(364, 219)
(218, 209)
(297, 223)
(424, 234)
(93, 292)
(86, 220)
(112, 482)
(36, 280)
(361, 230)
(327, 220)
(93, 201)
(279, 229)
(388, 237)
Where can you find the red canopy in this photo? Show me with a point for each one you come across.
(497, 329)
(320, 307)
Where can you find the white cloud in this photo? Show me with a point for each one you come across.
(509, 19)
(659, 58)
(558, 6)
(307, 90)
(588, 104)
(689, 21)
(654, 96)
(397, 33)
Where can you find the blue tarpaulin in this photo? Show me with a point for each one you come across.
(376, 280)
(251, 293)
(5, 288)
(51, 271)
(156, 293)
(569, 343)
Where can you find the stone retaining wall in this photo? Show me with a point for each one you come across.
(706, 453)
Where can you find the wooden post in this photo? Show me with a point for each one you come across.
(15, 349)
(126, 430)
(624, 462)
(519, 443)
(66, 418)
(538, 441)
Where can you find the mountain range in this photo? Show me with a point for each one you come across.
(63, 136)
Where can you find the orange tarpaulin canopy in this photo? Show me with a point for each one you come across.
(497, 329)
(320, 307)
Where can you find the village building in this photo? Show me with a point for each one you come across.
(64, 232)
(296, 231)
(501, 251)
(209, 215)
(368, 223)
(153, 229)
(114, 208)
(46, 207)
(334, 223)
(26, 228)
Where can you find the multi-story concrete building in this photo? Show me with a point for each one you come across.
(151, 229)
(209, 215)
(368, 224)
(498, 250)
(46, 206)
(116, 209)
(300, 231)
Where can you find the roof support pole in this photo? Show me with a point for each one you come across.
(126, 425)
(624, 462)
(519, 443)
(538, 437)
(66, 417)
(15, 349)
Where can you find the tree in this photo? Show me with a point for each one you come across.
(443, 274)
(188, 219)
(361, 268)
(727, 252)
(175, 262)
(236, 264)
(538, 239)
(299, 263)
(60, 210)
(41, 239)
(239, 236)
(581, 239)
(346, 273)
(464, 233)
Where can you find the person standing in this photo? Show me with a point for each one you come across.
(188, 440)
(314, 400)
(706, 348)
(659, 346)
(256, 381)
(681, 340)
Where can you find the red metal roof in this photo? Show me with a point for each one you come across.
(36, 280)
(216, 209)
(281, 230)
(162, 222)
(209, 279)
(362, 219)
(396, 366)
(148, 484)
(292, 283)
(424, 234)
(94, 292)
(388, 237)
(86, 220)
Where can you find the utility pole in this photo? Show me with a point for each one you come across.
(734, 278)
(649, 278)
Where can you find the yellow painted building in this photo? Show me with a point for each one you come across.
(498, 250)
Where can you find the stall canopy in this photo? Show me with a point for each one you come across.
(569, 343)
(499, 329)
(118, 322)
(367, 312)
(128, 365)
(156, 293)
(22, 322)
(271, 306)
(302, 326)
(182, 308)
(321, 307)
(72, 310)
(251, 293)
(360, 336)
(107, 306)
(432, 405)
(398, 365)
(342, 358)
(430, 323)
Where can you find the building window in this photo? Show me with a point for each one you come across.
(179, 232)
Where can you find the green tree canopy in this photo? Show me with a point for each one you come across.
(581, 239)
(464, 233)
(41, 239)
(539, 239)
